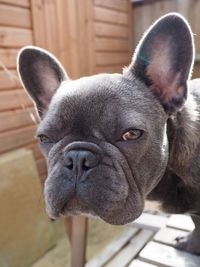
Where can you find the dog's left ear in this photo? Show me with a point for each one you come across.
(41, 74)
(163, 60)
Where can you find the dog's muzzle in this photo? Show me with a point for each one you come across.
(81, 157)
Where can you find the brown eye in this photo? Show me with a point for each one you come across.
(132, 134)
(43, 138)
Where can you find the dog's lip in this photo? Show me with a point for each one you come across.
(67, 209)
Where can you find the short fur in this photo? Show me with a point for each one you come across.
(91, 169)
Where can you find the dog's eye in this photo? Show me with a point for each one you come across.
(43, 138)
(132, 134)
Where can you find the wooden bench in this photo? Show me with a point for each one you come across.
(148, 242)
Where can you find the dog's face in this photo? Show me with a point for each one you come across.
(104, 136)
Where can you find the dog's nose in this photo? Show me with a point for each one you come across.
(80, 160)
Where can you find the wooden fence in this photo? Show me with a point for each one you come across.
(145, 12)
(88, 36)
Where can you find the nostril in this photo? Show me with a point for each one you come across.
(69, 163)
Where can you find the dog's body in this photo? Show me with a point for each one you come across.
(112, 140)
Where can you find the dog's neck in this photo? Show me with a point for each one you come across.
(183, 134)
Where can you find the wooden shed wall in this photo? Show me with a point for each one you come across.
(88, 36)
(146, 12)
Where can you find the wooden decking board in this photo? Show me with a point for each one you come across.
(182, 222)
(106, 254)
(126, 255)
(167, 236)
(167, 256)
(150, 222)
(149, 248)
(138, 263)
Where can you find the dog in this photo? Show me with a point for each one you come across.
(113, 140)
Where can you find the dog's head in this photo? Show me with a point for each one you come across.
(104, 136)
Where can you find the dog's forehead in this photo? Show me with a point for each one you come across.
(99, 90)
(99, 99)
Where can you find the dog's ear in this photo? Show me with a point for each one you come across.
(41, 74)
(163, 60)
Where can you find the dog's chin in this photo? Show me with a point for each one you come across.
(119, 216)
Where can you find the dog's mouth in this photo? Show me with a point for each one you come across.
(75, 207)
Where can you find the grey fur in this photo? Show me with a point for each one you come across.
(88, 116)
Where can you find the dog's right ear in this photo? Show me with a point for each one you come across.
(41, 75)
(164, 59)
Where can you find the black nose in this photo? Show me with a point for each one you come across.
(80, 160)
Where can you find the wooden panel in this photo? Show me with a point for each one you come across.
(137, 263)
(78, 240)
(8, 58)
(109, 69)
(91, 37)
(36, 150)
(22, 3)
(9, 79)
(182, 222)
(15, 119)
(14, 99)
(127, 254)
(39, 35)
(107, 44)
(106, 58)
(113, 248)
(42, 167)
(113, 4)
(111, 16)
(85, 44)
(168, 235)
(108, 30)
(167, 256)
(15, 37)
(15, 16)
(150, 221)
(16, 138)
(50, 21)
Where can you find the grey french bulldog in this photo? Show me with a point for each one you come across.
(113, 140)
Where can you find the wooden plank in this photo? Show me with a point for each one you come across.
(168, 256)
(22, 3)
(168, 235)
(39, 33)
(79, 234)
(182, 222)
(42, 167)
(91, 36)
(83, 37)
(127, 254)
(150, 221)
(138, 263)
(110, 16)
(120, 5)
(14, 99)
(17, 118)
(15, 37)
(109, 30)
(16, 138)
(50, 21)
(63, 41)
(14, 16)
(108, 44)
(109, 69)
(8, 58)
(36, 150)
(108, 58)
(73, 38)
(130, 30)
(113, 248)
(9, 79)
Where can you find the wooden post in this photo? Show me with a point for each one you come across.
(78, 241)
